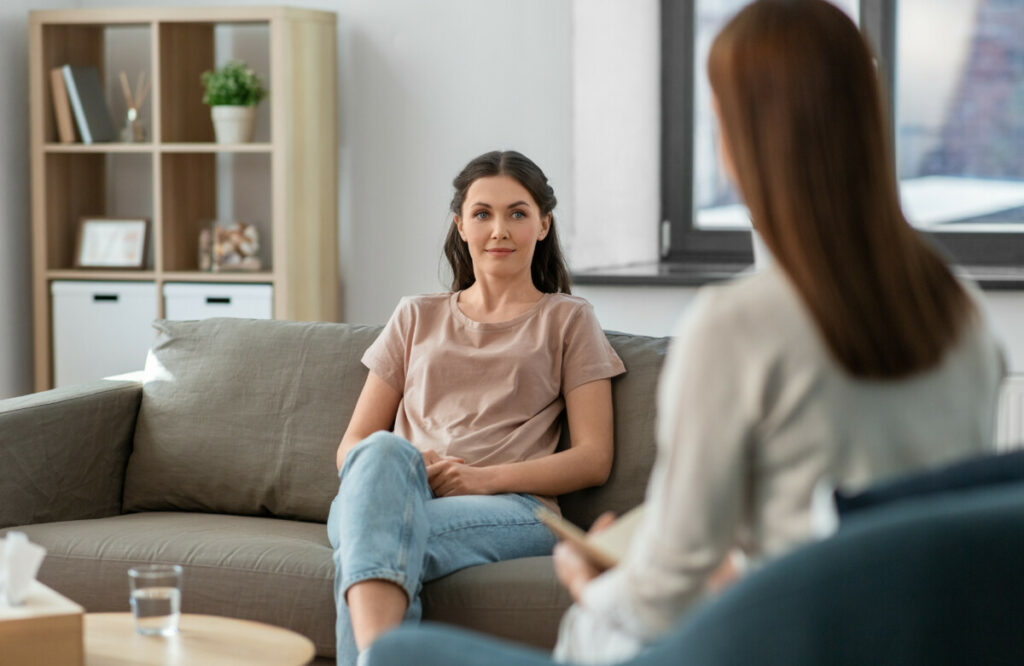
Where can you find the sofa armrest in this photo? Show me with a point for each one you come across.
(63, 453)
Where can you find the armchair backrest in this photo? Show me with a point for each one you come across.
(933, 581)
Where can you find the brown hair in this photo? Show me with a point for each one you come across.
(548, 266)
(801, 112)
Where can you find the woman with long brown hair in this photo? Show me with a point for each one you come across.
(451, 448)
(855, 356)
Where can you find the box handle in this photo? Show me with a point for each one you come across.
(218, 300)
(112, 298)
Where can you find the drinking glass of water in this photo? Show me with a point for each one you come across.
(156, 598)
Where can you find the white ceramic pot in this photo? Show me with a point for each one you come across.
(233, 124)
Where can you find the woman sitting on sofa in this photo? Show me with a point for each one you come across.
(451, 447)
(855, 356)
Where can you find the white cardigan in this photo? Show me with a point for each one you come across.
(752, 413)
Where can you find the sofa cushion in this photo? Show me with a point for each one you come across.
(280, 572)
(521, 600)
(244, 416)
(263, 569)
(634, 400)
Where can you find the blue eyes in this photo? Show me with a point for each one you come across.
(484, 215)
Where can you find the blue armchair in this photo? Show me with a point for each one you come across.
(924, 581)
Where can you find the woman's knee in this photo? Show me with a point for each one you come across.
(381, 449)
(386, 444)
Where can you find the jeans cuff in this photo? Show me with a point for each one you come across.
(389, 575)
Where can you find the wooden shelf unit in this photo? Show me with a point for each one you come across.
(300, 156)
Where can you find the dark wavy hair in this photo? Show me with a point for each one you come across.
(548, 267)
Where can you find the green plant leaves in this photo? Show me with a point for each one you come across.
(234, 84)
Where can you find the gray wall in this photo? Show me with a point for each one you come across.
(15, 217)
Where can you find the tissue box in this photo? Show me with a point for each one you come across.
(46, 629)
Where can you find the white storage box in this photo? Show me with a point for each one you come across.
(100, 328)
(205, 300)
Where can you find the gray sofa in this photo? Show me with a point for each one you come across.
(222, 460)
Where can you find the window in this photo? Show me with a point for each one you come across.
(958, 124)
(960, 114)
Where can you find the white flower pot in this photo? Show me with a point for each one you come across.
(233, 124)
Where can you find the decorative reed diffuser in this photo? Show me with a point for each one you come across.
(133, 131)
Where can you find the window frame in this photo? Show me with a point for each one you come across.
(681, 241)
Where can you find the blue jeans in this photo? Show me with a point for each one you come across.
(385, 524)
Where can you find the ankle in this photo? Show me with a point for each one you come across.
(375, 606)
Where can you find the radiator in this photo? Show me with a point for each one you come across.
(1010, 417)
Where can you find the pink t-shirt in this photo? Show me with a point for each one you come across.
(490, 393)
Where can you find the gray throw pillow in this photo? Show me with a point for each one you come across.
(244, 416)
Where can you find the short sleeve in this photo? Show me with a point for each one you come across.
(388, 356)
(586, 353)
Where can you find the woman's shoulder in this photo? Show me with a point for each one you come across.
(421, 302)
(567, 300)
(412, 311)
(760, 308)
(426, 300)
(764, 292)
(566, 307)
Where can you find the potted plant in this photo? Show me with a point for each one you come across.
(233, 91)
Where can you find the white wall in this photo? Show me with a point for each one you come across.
(656, 310)
(425, 86)
(616, 117)
(650, 311)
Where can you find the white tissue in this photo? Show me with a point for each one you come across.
(19, 564)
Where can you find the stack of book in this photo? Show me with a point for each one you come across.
(78, 93)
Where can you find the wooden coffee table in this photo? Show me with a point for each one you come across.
(202, 640)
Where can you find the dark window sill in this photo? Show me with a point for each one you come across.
(666, 274)
(690, 274)
(994, 278)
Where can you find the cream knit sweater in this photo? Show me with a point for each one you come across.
(752, 413)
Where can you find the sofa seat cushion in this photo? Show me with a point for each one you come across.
(264, 569)
(521, 600)
(278, 571)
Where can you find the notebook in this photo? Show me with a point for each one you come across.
(604, 549)
(88, 103)
(61, 106)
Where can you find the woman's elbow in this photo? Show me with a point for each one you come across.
(339, 457)
(600, 469)
(348, 442)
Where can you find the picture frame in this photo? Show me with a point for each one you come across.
(111, 243)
